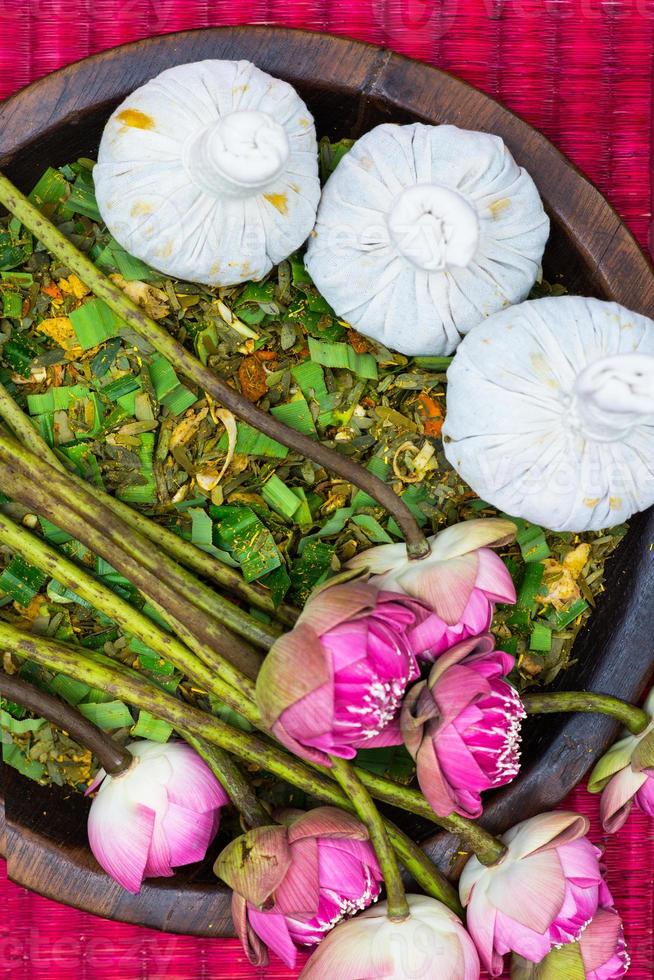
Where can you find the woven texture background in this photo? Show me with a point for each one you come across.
(578, 70)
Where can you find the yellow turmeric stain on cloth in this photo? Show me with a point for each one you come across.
(135, 119)
(278, 201)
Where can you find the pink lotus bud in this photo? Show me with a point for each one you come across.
(600, 953)
(626, 776)
(161, 813)
(335, 682)
(459, 582)
(542, 893)
(431, 944)
(291, 884)
(462, 727)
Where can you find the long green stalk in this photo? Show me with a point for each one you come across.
(198, 373)
(232, 780)
(189, 721)
(399, 796)
(115, 759)
(54, 564)
(128, 685)
(43, 489)
(112, 757)
(76, 493)
(634, 719)
(398, 907)
(183, 551)
(422, 869)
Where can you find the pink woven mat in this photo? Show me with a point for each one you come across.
(578, 70)
(42, 940)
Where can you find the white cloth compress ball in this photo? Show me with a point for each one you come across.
(209, 172)
(423, 231)
(550, 412)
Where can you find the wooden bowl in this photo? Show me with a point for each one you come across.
(350, 87)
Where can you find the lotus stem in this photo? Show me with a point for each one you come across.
(398, 907)
(85, 499)
(634, 719)
(127, 685)
(112, 757)
(232, 780)
(45, 490)
(475, 839)
(82, 583)
(115, 759)
(481, 842)
(422, 869)
(183, 551)
(204, 377)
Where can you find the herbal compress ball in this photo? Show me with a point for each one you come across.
(550, 412)
(423, 231)
(209, 172)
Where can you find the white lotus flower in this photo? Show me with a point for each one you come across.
(431, 944)
(159, 814)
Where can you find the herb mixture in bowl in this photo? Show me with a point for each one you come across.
(122, 419)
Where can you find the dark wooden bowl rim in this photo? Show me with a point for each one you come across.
(350, 87)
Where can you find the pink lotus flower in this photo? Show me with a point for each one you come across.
(602, 946)
(335, 682)
(291, 884)
(626, 776)
(600, 953)
(431, 944)
(462, 727)
(459, 582)
(543, 892)
(161, 813)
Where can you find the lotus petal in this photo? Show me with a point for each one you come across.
(123, 855)
(254, 864)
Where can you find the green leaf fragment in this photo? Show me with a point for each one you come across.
(239, 531)
(145, 490)
(19, 726)
(563, 617)
(435, 364)
(151, 728)
(279, 497)
(168, 389)
(69, 689)
(541, 638)
(312, 568)
(202, 535)
(343, 356)
(114, 258)
(380, 468)
(278, 582)
(533, 544)
(21, 581)
(296, 414)
(251, 442)
(310, 378)
(12, 304)
(372, 528)
(15, 757)
(94, 322)
(108, 715)
(82, 200)
(52, 533)
(51, 188)
(121, 386)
